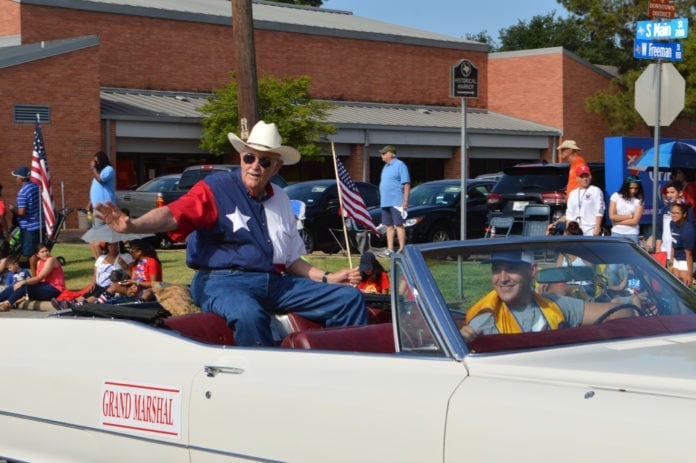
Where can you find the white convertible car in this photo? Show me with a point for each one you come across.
(104, 386)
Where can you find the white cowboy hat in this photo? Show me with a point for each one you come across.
(265, 137)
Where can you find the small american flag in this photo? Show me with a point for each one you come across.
(40, 176)
(353, 204)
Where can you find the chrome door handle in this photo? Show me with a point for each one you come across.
(211, 370)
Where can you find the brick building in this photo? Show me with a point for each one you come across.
(126, 76)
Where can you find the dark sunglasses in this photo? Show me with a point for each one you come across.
(249, 158)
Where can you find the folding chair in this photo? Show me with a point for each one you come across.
(501, 224)
(536, 219)
(298, 210)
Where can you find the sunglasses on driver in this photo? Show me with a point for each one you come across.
(249, 158)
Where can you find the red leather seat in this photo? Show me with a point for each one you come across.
(377, 338)
(205, 327)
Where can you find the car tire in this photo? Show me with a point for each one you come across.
(439, 233)
(308, 239)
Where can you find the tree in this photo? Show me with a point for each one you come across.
(284, 101)
(545, 31)
(482, 37)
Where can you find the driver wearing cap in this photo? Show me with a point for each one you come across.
(513, 307)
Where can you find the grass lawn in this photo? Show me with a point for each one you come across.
(79, 265)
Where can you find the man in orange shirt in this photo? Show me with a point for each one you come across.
(569, 151)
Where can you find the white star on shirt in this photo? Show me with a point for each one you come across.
(238, 220)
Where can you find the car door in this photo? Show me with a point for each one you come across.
(313, 406)
(477, 209)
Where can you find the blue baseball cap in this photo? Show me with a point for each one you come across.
(21, 172)
(511, 257)
(367, 261)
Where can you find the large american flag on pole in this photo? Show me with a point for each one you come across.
(353, 204)
(40, 176)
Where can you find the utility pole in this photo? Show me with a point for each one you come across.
(247, 87)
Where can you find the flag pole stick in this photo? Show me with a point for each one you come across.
(340, 205)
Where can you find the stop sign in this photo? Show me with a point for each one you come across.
(672, 94)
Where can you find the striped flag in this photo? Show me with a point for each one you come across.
(353, 204)
(40, 176)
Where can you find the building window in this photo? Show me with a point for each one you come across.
(28, 114)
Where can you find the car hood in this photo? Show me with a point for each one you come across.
(664, 365)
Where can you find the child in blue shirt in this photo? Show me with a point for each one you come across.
(15, 274)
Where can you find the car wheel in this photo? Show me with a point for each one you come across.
(308, 239)
(440, 233)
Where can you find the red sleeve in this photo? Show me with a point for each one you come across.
(153, 270)
(196, 209)
(385, 281)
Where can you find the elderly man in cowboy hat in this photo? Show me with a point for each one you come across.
(245, 247)
(569, 151)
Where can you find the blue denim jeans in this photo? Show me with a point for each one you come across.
(634, 238)
(37, 292)
(248, 300)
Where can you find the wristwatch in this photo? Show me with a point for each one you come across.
(323, 278)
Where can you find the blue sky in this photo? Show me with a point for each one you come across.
(450, 17)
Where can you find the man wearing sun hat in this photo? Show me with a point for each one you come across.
(27, 211)
(569, 151)
(244, 245)
(513, 306)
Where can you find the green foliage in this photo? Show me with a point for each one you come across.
(616, 104)
(284, 101)
(545, 31)
(482, 37)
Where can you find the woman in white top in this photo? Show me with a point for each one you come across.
(626, 209)
(112, 260)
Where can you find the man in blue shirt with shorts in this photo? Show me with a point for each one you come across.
(27, 211)
(394, 188)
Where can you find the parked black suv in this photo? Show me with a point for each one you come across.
(321, 211)
(536, 184)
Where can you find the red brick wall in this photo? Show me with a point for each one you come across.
(162, 54)
(70, 85)
(528, 87)
(9, 18)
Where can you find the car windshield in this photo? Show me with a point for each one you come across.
(308, 193)
(160, 184)
(429, 194)
(580, 290)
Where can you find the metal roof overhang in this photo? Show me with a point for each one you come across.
(156, 121)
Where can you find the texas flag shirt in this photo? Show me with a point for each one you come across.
(229, 228)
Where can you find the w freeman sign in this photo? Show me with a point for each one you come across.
(670, 51)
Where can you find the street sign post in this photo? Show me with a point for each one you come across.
(463, 84)
(464, 80)
(646, 49)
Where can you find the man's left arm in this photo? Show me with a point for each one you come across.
(344, 276)
(407, 192)
(600, 213)
(594, 310)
